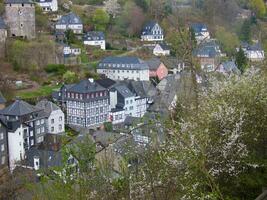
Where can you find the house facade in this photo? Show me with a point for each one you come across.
(253, 52)
(3, 146)
(20, 18)
(94, 38)
(71, 51)
(152, 32)
(161, 50)
(121, 68)
(87, 104)
(70, 21)
(48, 5)
(25, 128)
(208, 54)
(54, 116)
(157, 69)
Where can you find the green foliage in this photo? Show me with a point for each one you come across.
(41, 19)
(100, 19)
(58, 69)
(142, 4)
(70, 36)
(70, 77)
(245, 32)
(241, 60)
(43, 91)
(108, 126)
(259, 7)
(228, 40)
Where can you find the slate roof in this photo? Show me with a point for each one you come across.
(18, 2)
(70, 18)
(94, 36)
(198, 28)
(124, 62)
(2, 24)
(207, 49)
(153, 63)
(164, 46)
(229, 66)
(85, 86)
(43, 1)
(106, 82)
(48, 158)
(2, 98)
(147, 30)
(19, 108)
(47, 106)
(253, 47)
(124, 91)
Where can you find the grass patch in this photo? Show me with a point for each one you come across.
(40, 92)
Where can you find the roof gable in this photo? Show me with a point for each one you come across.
(19, 108)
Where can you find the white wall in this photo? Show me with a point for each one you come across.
(142, 75)
(15, 146)
(59, 120)
(101, 43)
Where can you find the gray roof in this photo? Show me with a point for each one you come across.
(230, 66)
(207, 49)
(85, 86)
(94, 36)
(147, 30)
(124, 62)
(164, 46)
(2, 24)
(142, 88)
(70, 18)
(198, 28)
(19, 108)
(47, 106)
(153, 63)
(124, 91)
(2, 98)
(18, 2)
(251, 47)
(48, 158)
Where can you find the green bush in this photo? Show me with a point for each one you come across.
(58, 69)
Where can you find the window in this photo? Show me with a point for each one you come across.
(52, 121)
(52, 129)
(2, 147)
(60, 127)
(60, 118)
(1, 136)
(42, 121)
(43, 130)
(38, 130)
(3, 160)
(37, 122)
(32, 142)
(31, 133)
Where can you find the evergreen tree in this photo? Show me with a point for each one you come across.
(241, 60)
(245, 33)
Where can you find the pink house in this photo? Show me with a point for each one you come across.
(157, 68)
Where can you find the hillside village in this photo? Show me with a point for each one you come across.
(111, 75)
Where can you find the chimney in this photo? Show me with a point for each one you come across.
(36, 163)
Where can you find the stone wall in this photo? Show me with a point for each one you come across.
(20, 19)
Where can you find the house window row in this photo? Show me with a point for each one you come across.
(88, 96)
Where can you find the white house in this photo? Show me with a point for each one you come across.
(55, 118)
(152, 32)
(121, 68)
(94, 38)
(201, 32)
(48, 5)
(70, 21)
(68, 51)
(161, 50)
(254, 52)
